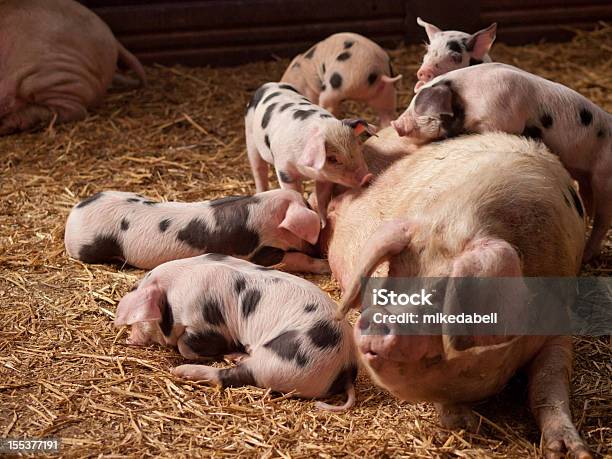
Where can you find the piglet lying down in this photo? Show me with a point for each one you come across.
(267, 228)
(213, 305)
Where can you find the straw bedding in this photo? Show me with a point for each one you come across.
(66, 372)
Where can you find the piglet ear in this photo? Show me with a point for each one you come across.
(431, 29)
(140, 305)
(480, 43)
(434, 101)
(302, 222)
(314, 151)
(359, 125)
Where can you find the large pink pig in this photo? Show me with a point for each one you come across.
(279, 327)
(492, 205)
(275, 227)
(346, 66)
(57, 59)
(499, 97)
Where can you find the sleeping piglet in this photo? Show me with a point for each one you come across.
(346, 66)
(279, 327)
(302, 140)
(451, 49)
(499, 97)
(267, 228)
(57, 59)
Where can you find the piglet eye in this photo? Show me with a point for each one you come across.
(457, 57)
(332, 160)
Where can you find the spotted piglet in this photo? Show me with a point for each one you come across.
(267, 228)
(302, 140)
(499, 97)
(279, 327)
(346, 66)
(450, 50)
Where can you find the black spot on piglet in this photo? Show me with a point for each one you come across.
(372, 78)
(304, 114)
(546, 120)
(239, 284)
(348, 44)
(287, 347)
(343, 56)
(125, 225)
(167, 320)
(586, 117)
(324, 335)
(211, 311)
(103, 249)
(133, 200)
(288, 87)
(310, 307)
(89, 200)
(237, 376)
(164, 224)
(267, 256)
(257, 96)
(336, 80)
(267, 115)
(454, 46)
(271, 96)
(249, 299)
(208, 344)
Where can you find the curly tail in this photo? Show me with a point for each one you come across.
(132, 62)
(350, 400)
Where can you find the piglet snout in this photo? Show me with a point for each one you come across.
(425, 74)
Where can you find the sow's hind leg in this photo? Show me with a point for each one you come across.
(549, 379)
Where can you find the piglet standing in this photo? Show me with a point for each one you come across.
(267, 228)
(510, 100)
(57, 59)
(281, 326)
(302, 140)
(346, 66)
(451, 49)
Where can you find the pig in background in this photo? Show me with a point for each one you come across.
(491, 205)
(346, 66)
(267, 228)
(302, 140)
(279, 327)
(511, 100)
(451, 49)
(58, 59)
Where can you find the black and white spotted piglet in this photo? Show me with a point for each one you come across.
(499, 97)
(281, 326)
(302, 140)
(452, 49)
(267, 228)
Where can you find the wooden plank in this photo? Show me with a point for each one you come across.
(505, 5)
(302, 33)
(521, 35)
(584, 13)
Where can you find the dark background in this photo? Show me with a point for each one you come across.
(227, 32)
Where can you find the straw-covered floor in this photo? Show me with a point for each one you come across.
(66, 372)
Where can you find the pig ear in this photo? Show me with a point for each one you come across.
(302, 222)
(480, 43)
(314, 152)
(140, 305)
(358, 126)
(430, 29)
(434, 101)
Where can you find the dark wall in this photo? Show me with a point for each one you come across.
(226, 32)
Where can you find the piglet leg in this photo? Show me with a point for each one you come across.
(602, 194)
(239, 375)
(323, 192)
(549, 378)
(258, 166)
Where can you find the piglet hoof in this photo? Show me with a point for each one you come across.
(320, 266)
(457, 417)
(563, 441)
(196, 373)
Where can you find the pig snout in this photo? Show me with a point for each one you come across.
(425, 74)
(402, 125)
